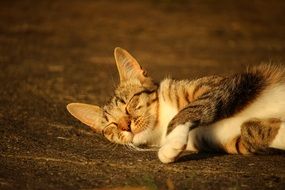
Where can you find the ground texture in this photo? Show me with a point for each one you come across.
(56, 52)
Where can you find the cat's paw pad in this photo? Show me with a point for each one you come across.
(169, 152)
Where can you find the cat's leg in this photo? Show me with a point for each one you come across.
(176, 143)
(200, 111)
(257, 135)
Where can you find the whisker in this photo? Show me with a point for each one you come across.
(141, 149)
(110, 145)
(126, 147)
(130, 148)
(113, 150)
(146, 116)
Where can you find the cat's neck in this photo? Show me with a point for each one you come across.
(172, 96)
(167, 109)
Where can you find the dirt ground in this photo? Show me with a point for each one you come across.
(56, 52)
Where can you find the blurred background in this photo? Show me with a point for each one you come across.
(56, 52)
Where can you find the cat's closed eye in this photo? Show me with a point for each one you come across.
(120, 101)
(133, 104)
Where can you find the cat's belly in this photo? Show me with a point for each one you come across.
(215, 136)
(271, 104)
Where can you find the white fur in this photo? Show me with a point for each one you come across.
(175, 143)
(148, 137)
(279, 141)
(142, 137)
(166, 113)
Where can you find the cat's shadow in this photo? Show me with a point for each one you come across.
(188, 156)
(198, 156)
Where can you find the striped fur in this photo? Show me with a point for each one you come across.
(239, 114)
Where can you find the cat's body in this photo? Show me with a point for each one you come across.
(225, 133)
(243, 113)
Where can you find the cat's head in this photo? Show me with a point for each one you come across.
(130, 117)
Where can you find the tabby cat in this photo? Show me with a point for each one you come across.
(240, 114)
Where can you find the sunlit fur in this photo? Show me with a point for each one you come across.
(151, 112)
(242, 113)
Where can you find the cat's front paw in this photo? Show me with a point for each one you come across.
(170, 151)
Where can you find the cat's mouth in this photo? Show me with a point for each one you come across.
(142, 147)
(136, 134)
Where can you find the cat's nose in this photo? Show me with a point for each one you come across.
(124, 123)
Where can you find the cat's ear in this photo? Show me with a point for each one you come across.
(129, 68)
(91, 115)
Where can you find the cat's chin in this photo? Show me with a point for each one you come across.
(142, 138)
(127, 138)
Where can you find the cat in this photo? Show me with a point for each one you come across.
(239, 114)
